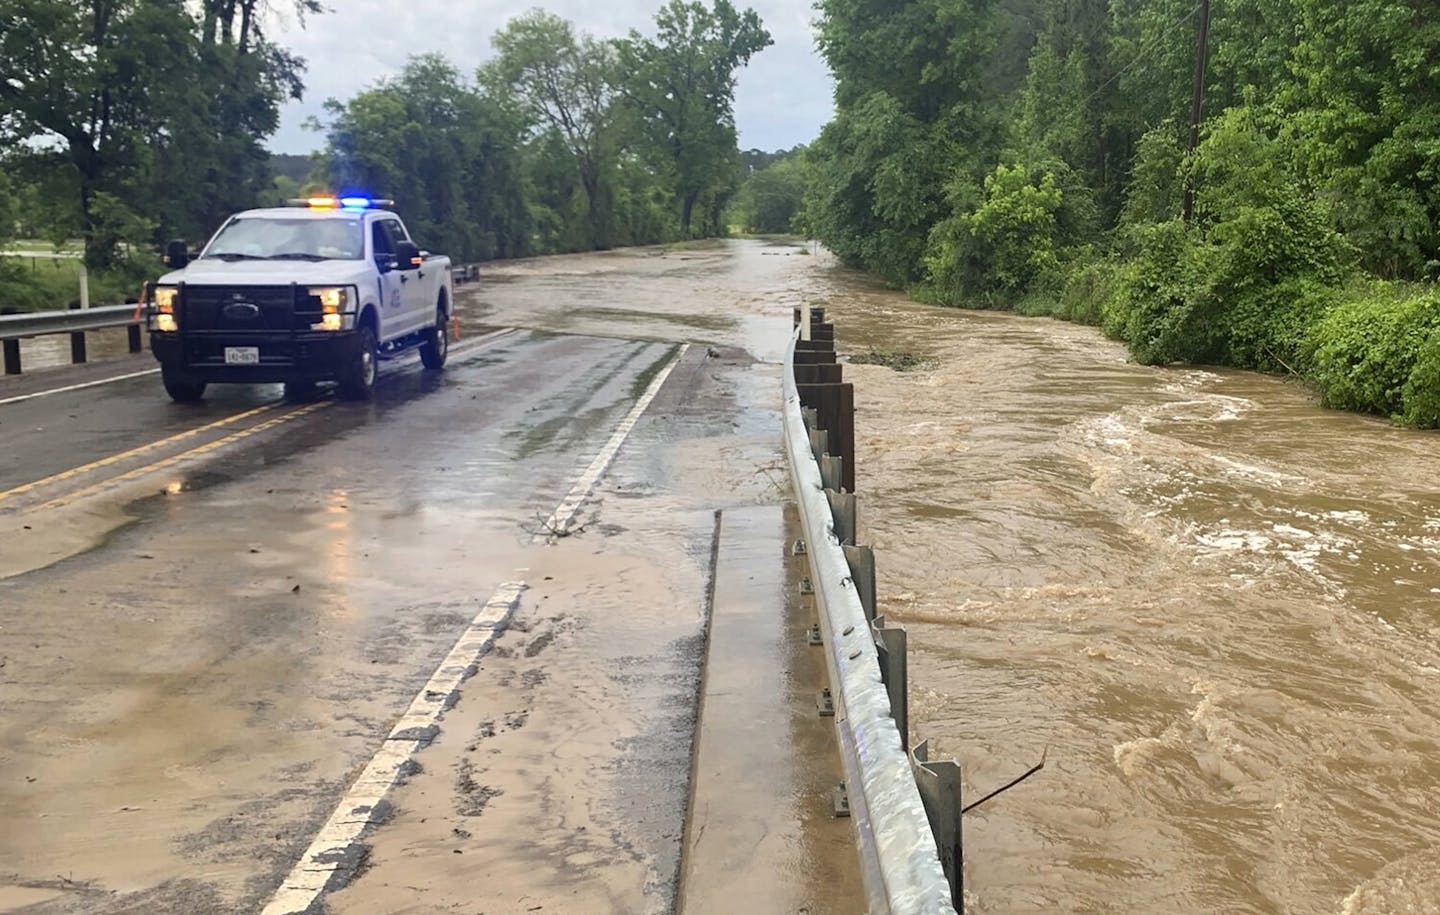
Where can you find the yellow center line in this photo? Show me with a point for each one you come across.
(195, 452)
(134, 452)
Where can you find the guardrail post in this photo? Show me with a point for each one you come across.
(842, 508)
(77, 338)
(861, 560)
(831, 472)
(890, 646)
(826, 373)
(939, 784)
(819, 443)
(12, 357)
(134, 331)
(834, 405)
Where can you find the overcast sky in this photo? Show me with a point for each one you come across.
(783, 97)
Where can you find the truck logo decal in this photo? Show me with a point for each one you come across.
(241, 311)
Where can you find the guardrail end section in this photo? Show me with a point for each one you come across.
(939, 785)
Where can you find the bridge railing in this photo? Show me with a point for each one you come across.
(905, 809)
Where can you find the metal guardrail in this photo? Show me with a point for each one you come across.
(41, 323)
(75, 322)
(900, 864)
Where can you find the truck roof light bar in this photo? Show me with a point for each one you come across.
(330, 202)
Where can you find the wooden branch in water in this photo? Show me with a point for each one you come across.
(1010, 784)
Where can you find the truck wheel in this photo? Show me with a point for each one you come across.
(357, 379)
(181, 389)
(437, 343)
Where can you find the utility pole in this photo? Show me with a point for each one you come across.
(1197, 100)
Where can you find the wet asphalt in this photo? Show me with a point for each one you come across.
(210, 616)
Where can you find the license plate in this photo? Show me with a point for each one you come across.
(242, 355)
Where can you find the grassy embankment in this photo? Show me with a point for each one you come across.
(39, 278)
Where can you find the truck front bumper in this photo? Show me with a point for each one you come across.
(297, 357)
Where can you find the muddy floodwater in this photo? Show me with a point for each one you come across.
(1214, 603)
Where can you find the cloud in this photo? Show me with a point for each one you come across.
(782, 98)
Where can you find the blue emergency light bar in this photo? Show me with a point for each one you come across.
(340, 203)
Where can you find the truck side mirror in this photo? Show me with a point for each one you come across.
(407, 255)
(176, 254)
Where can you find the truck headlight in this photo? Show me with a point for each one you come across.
(167, 298)
(333, 299)
(335, 304)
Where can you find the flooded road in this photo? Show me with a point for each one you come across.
(230, 631)
(1216, 604)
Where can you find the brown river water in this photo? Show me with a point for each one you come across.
(1214, 603)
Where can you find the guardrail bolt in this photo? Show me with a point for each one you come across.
(840, 800)
(813, 635)
(805, 586)
(825, 703)
(798, 549)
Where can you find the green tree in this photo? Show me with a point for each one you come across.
(157, 107)
(770, 198)
(1366, 103)
(447, 153)
(566, 84)
(95, 80)
(682, 83)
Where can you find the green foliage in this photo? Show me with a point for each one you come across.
(681, 85)
(565, 85)
(1366, 111)
(447, 154)
(141, 107)
(1241, 285)
(42, 283)
(131, 122)
(1377, 352)
(1004, 244)
(874, 190)
(770, 198)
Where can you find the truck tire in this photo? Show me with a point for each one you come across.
(357, 378)
(436, 345)
(180, 388)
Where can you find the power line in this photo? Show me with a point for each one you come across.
(1143, 52)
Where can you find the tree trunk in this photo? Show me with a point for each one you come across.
(590, 180)
(687, 210)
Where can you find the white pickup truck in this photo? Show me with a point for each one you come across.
(319, 291)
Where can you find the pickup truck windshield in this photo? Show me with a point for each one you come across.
(276, 238)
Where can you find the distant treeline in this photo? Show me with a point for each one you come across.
(1033, 154)
(127, 123)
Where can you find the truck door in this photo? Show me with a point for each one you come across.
(393, 283)
(418, 286)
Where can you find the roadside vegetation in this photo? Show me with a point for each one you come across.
(146, 121)
(1033, 155)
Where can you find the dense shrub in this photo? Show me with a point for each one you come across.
(1377, 352)
(1001, 246)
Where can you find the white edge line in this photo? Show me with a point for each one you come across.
(77, 387)
(333, 848)
(459, 349)
(565, 512)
